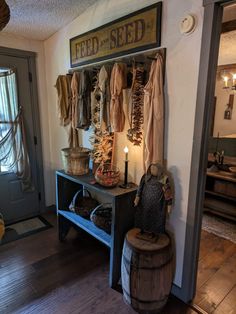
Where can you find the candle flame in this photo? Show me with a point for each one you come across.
(126, 150)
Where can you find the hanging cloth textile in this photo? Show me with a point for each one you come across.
(101, 100)
(13, 147)
(135, 132)
(75, 98)
(117, 83)
(104, 97)
(73, 138)
(63, 86)
(84, 103)
(154, 114)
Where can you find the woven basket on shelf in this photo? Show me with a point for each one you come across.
(75, 160)
(101, 216)
(83, 205)
(4, 14)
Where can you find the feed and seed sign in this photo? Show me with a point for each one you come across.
(138, 31)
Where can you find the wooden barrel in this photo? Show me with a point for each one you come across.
(146, 272)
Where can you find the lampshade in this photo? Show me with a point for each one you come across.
(4, 14)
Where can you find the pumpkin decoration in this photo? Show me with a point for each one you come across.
(4, 14)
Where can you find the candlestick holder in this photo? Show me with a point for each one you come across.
(126, 185)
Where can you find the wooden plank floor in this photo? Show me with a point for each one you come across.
(216, 285)
(38, 274)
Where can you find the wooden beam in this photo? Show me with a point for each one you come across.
(228, 26)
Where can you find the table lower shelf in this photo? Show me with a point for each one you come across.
(220, 207)
(88, 226)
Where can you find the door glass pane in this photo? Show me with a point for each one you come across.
(8, 110)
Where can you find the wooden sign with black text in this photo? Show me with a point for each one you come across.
(137, 31)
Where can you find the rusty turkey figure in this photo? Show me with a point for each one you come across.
(153, 199)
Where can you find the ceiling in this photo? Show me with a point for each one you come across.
(39, 19)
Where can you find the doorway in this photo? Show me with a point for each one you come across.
(212, 25)
(16, 202)
(216, 280)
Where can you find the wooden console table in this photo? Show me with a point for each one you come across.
(122, 215)
(220, 194)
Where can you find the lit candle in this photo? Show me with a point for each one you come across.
(126, 150)
(226, 81)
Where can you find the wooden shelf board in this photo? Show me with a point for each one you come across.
(88, 181)
(220, 206)
(88, 226)
(231, 198)
(223, 175)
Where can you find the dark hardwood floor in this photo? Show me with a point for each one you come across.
(216, 285)
(38, 274)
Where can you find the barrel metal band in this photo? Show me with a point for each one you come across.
(147, 268)
(146, 301)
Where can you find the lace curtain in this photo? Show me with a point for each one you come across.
(13, 149)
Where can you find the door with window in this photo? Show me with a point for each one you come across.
(19, 191)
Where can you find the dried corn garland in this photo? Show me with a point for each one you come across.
(135, 134)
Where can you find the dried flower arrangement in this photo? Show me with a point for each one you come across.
(102, 141)
(102, 146)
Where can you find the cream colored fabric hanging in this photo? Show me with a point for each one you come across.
(73, 138)
(117, 83)
(103, 81)
(154, 114)
(64, 98)
(74, 105)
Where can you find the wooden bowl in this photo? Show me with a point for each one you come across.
(107, 175)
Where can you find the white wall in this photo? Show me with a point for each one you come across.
(182, 64)
(17, 42)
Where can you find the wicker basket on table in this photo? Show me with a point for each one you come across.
(83, 205)
(101, 216)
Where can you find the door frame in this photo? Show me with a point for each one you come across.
(31, 59)
(213, 11)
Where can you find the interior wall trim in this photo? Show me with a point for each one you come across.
(210, 2)
(205, 96)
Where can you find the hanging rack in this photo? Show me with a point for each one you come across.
(147, 55)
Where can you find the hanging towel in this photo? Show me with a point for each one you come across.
(84, 100)
(117, 83)
(154, 115)
(63, 84)
(75, 94)
(73, 138)
(104, 95)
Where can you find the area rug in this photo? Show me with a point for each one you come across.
(221, 227)
(24, 228)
